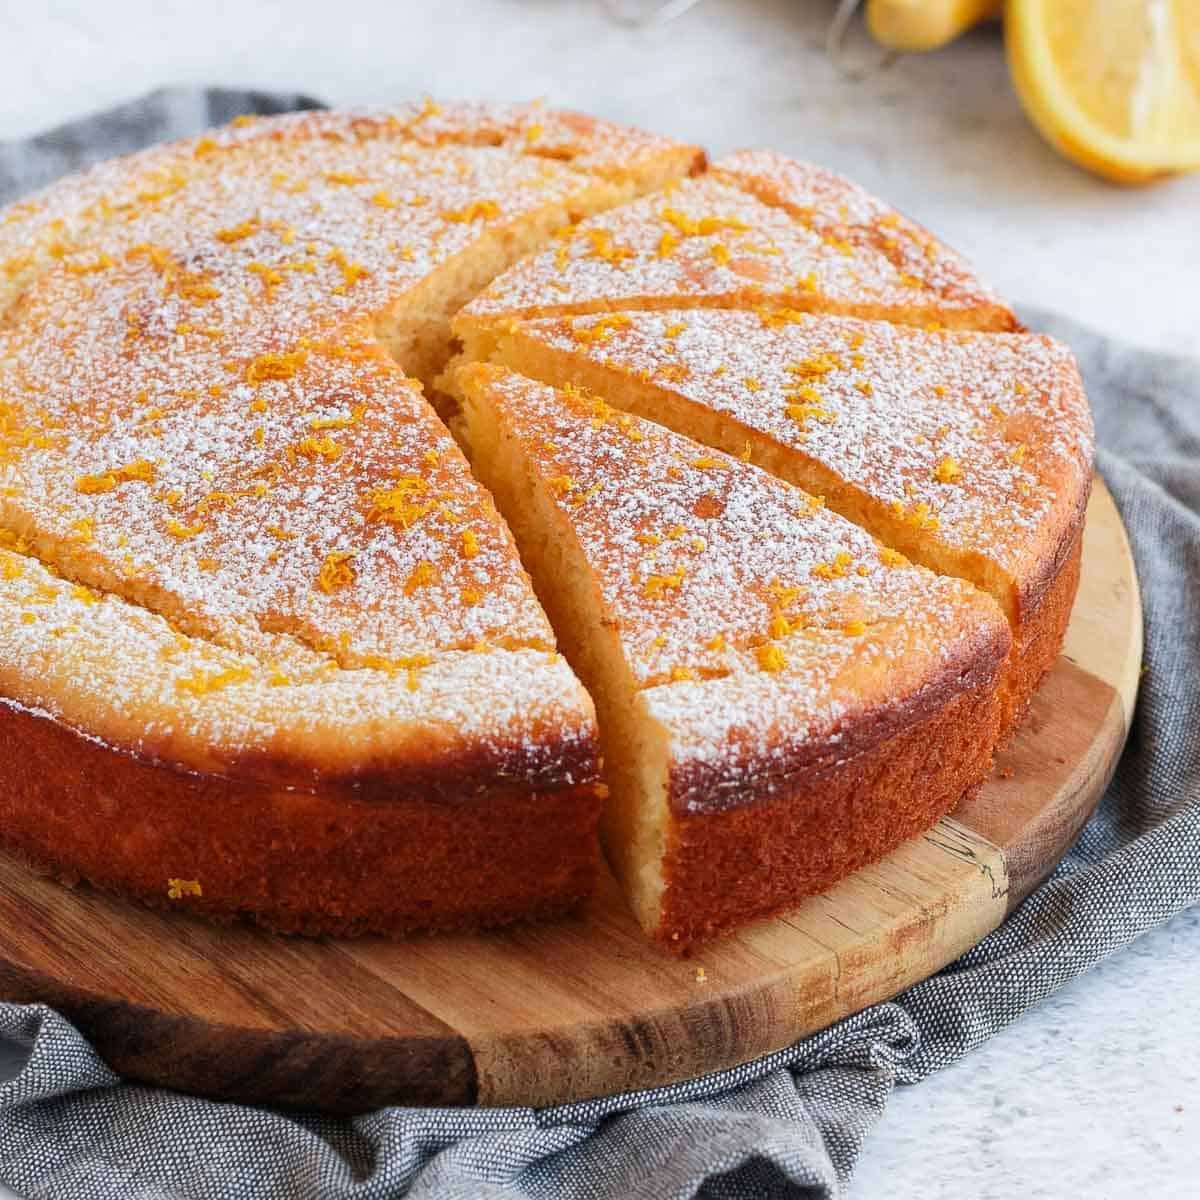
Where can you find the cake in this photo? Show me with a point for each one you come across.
(781, 698)
(757, 228)
(274, 648)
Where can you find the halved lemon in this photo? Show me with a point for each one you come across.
(1113, 84)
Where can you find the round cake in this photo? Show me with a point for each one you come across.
(397, 508)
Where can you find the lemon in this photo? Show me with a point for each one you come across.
(1113, 84)
(909, 25)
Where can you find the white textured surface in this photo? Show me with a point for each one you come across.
(1096, 1091)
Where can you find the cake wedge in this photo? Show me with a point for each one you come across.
(272, 650)
(759, 228)
(781, 698)
(969, 452)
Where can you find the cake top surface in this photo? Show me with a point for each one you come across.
(200, 419)
(858, 225)
(711, 567)
(304, 232)
(195, 424)
(757, 227)
(975, 438)
(225, 501)
(287, 715)
(308, 490)
(296, 152)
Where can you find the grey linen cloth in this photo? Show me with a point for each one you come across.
(791, 1124)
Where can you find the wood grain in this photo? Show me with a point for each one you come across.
(1050, 777)
(550, 1013)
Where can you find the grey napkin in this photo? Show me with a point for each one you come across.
(791, 1124)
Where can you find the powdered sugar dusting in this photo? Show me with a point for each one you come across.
(197, 416)
(712, 568)
(151, 689)
(735, 237)
(71, 213)
(975, 438)
(198, 419)
(842, 213)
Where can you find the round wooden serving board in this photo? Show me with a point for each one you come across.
(558, 1012)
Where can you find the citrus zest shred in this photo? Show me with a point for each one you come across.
(336, 572)
(770, 657)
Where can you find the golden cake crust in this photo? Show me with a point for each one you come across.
(725, 867)
(410, 850)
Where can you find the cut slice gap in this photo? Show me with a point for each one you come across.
(637, 752)
(416, 329)
(970, 453)
(760, 665)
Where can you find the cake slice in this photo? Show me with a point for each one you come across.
(306, 490)
(265, 634)
(759, 228)
(271, 645)
(781, 699)
(456, 791)
(970, 453)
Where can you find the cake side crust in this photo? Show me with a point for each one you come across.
(296, 862)
(724, 868)
(1042, 631)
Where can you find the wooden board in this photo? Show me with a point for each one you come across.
(583, 1007)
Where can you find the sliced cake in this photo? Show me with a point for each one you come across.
(456, 791)
(971, 453)
(759, 228)
(781, 698)
(269, 640)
